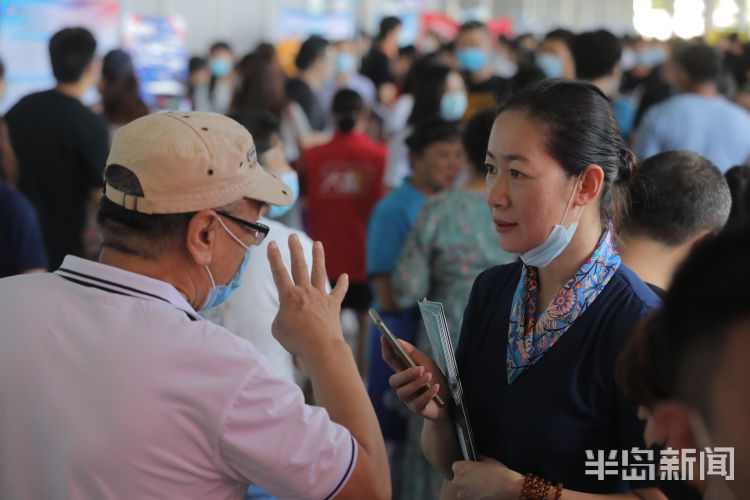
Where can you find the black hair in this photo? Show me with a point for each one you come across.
(527, 73)
(595, 53)
(196, 63)
(311, 50)
(71, 50)
(262, 125)
(431, 131)
(738, 180)
(701, 62)
(581, 130)
(408, 51)
(674, 196)
(471, 25)
(2, 69)
(121, 98)
(566, 36)
(143, 235)
(677, 348)
(388, 24)
(220, 45)
(696, 318)
(428, 88)
(347, 108)
(476, 136)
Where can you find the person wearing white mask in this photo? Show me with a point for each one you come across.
(113, 386)
(438, 92)
(473, 54)
(540, 336)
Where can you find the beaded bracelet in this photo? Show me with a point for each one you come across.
(535, 488)
(558, 491)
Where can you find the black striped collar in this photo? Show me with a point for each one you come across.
(122, 282)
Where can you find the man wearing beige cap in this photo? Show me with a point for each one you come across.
(112, 386)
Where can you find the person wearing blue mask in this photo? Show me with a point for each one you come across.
(221, 84)
(555, 55)
(473, 49)
(540, 336)
(438, 92)
(121, 344)
(346, 76)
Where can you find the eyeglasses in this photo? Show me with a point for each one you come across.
(261, 230)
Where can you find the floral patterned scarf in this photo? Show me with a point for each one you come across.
(529, 337)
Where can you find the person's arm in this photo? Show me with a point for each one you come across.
(439, 440)
(489, 478)
(308, 326)
(383, 288)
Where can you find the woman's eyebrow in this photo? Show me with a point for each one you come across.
(512, 157)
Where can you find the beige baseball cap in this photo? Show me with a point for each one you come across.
(190, 161)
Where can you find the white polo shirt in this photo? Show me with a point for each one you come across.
(111, 386)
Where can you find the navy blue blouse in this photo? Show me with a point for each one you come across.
(565, 404)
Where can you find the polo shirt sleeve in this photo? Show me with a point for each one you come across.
(272, 439)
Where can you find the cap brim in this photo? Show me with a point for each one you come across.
(270, 189)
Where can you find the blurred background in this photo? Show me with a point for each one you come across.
(162, 35)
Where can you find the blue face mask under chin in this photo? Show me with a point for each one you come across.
(555, 243)
(219, 293)
(291, 179)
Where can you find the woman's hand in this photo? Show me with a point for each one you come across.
(486, 479)
(409, 382)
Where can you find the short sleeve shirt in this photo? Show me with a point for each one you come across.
(111, 386)
(62, 149)
(344, 182)
(389, 226)
(566, 403)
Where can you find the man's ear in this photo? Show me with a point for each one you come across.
(201, 236)
(590, 185)
(674, 417)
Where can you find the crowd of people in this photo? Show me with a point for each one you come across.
(578, 202)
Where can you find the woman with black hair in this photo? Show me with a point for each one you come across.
(437, 92)
(344, 181)
(540, 336)
(121, 99)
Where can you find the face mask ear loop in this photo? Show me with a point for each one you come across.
(210, 276)
(232, 234)
(570, 202)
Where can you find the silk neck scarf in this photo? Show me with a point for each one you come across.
(529, 336)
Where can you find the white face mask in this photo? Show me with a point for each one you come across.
(556, 242)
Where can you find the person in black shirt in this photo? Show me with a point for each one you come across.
(473, 48)
(315, 64)
(677, 199)
(376, 64)
(62, 145)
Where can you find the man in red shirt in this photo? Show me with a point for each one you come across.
(344, 181)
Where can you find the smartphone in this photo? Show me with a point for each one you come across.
(402, 355)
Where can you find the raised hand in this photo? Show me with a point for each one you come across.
(308, 317)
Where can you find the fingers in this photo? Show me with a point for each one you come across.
(410, 391)
(420, 402)
(280, 274)
(339, 291)
(319, 276)
(299, 266)
(390, 357)
(404, 377)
